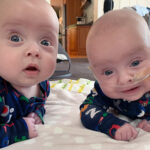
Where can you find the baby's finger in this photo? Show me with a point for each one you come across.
(118, 136)
(128, 135)
(142, 124)
(124, 136)
(32, 120)
(38, 121)
(134, 134)
(31, 115)
(35, 133)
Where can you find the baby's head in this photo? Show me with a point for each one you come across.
(28, 41)
(118, 48)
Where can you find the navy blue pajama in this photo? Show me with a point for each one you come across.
(13, 107)
(95, 115)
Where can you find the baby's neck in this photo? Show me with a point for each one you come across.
(29, 91)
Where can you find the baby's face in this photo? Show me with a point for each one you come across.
(117, 58)
(28, 41)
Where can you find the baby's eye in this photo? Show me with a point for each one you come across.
(108, 72)
(45, 43)
(15, 38)
(135, 63)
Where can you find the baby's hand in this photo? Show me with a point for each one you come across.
(145, 125)
(126, 133)
(31, 127)
(36, 117)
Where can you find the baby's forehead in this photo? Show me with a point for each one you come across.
(28, 13)
(5, 4)
(117, 23)
(13, 7)
(116, 19)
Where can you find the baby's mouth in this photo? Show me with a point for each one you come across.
(130, 90)
(32, 70)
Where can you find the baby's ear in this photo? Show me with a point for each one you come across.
(91, 69)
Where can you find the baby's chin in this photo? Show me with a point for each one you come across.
(129, 98)
(132, 98)
(136, 96)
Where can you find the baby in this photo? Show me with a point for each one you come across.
(118, 49)
(29, 40)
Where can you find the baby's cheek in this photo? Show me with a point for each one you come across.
(109, 91)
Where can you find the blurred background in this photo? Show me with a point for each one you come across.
(75, 20)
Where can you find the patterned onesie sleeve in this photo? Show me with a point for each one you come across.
(13, 132)
(94, 115)
(40, 110)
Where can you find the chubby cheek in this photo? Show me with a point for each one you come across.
(110, 92)
(49, 66)
(9, 68)
(107, 91)
(6, 62)
(146, 85)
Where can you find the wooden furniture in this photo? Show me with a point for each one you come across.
(73, 10)
(76, 40)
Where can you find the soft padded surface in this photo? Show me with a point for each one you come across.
(63, 129)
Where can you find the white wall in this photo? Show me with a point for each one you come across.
(88, 12)
(119, 4)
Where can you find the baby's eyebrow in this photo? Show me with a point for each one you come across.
(137, 50)
(14, 21)
(24, 22)
(48, 29)
(103, 63)
(5, 25)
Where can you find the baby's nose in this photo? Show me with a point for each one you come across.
(126, 78)
(33, 51)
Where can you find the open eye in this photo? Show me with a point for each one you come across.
(45, 43)
(15, 38)
(108, 72)
(135, 63)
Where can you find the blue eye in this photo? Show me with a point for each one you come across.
(45, 43)
(135, 63)
(108, 72)
(15, 38)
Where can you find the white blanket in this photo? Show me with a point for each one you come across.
(63, 130)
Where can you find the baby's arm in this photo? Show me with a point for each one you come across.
(94, 116)
(13, 132)
(39, 111)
